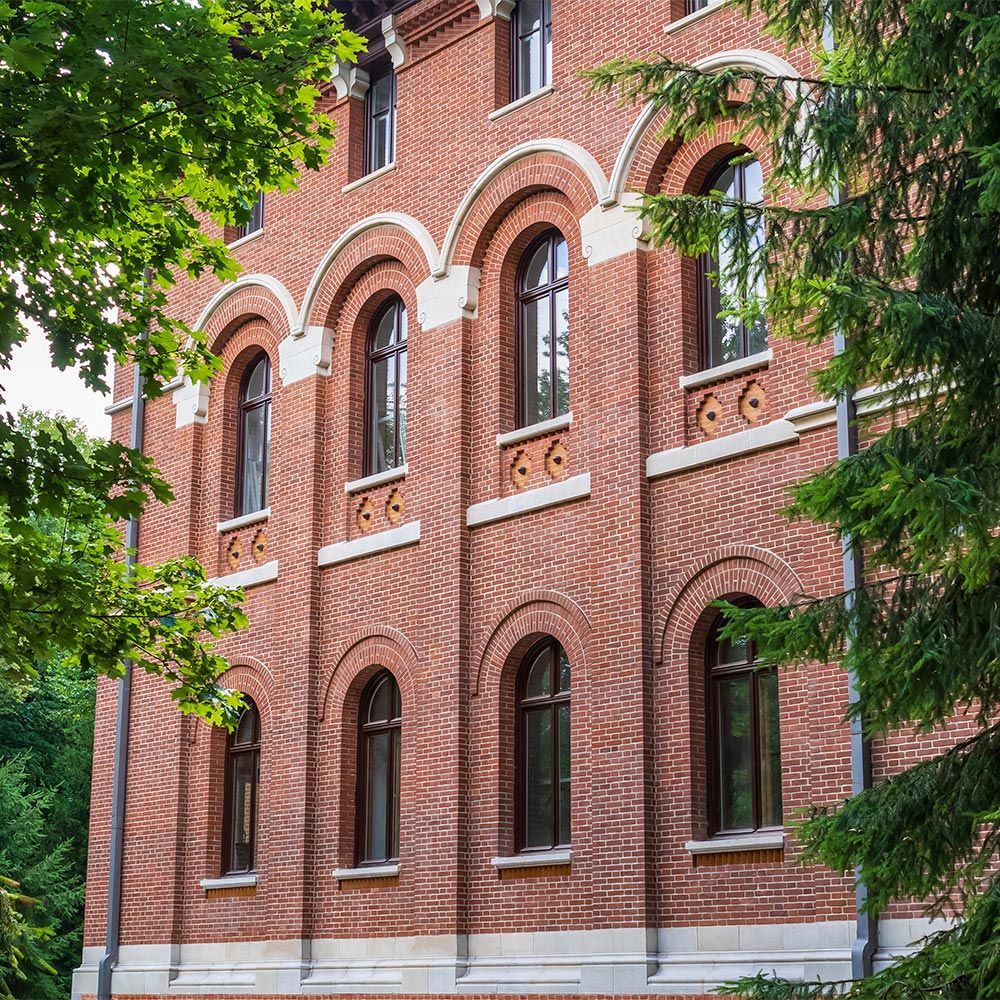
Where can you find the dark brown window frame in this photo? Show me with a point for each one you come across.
(545, 68)
(713, 672)
(522, 706)
(372, 357)
(233, 752)
(524, 299)
(246, 405)
(371, 115)
(366, 731)
(706, 264)
(693, 6)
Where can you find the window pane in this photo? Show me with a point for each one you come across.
(381, 94)
(256, 384)
(241, 858)
(379, 143)
(562, 351)
(529, 16)
(246, 728)
(401, 422)
(385, 332)
(563, 670)
(253, 492)
(401, 310)
(539, 681)
(536, 273)
(538, 778)
(394, 833)
(535, 354)
(562, 258)
(770, 749)
(732, 650)
(529, 64)
(380, 704)
(383, 415)
(735, 756)
(378, 791)
(564, 770)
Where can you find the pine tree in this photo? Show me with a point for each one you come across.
(894, 145)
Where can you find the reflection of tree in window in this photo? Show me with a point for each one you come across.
(378, 771)
(745, 748)
(254, 436)
(386, 395)
(543, 330)
(726, 336)
(242, 779)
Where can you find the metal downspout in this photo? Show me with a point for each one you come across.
(120, 773)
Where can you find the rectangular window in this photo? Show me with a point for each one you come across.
(531, 47)
(255, 203)
(380, 122)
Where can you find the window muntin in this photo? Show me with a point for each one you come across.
(386, 397)
(381, 719)
(255, 204)
(380, 121)
(543, 749)
(744, 739)
(543, 330)
(531, 47)
(242, 793)
(254, 435)
(728, 338)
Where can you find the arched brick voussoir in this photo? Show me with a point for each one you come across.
(543, 612)
(379, 645)
(251, 296)
(733, 569)
(251, 677)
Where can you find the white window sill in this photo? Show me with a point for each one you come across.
(767, 840)
(575, 488)
(720, 449)
(368, 178)
(549, 426)
(369, 545)
(248, 577)
(244, 240)
(682, 22)
(243, 521)
(540, 859)
(230, 881)
(759, 360)
(369, 871)
(378, 479)
(507, 109)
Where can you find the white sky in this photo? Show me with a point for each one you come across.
(33, 381)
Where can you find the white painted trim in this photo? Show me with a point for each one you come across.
(230, 881)
(368, 178)
(369, 545)
(265, 281)
(190, 403)
(447, 299)
(822, 413)
(610, 231)
(668, 463)
(378, 479)
(769, 840)
(682, 22)
(520, 103)
(394, 43)
(305, 353)
(244, 240)
(872, 399)
(708, 375)
(349, 80)
(265, 573)
(549, 426)
(540, 859)
(489, 511)
(123, 404)
(495, 8)
(372, 871)
(243, 521)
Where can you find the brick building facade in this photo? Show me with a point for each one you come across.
(589, 516)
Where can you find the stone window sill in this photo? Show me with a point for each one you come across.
(507, 109)
(244, 521)
(550, 426)
(368, 178)
(537, 859)
(244, 240)
(248, 577)
(378, 479)
(367, 871)
(369, 545)
(230, 881)
(490, 511)
(766, 840)
(682, 22)
(709, 375)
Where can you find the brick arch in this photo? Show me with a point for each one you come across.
(537, 613)
(250, 676)
(734, 569)
(252, 296)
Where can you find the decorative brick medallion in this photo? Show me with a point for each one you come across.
(366, 515)
(710, 414)
(556, 459)
(752, 402)
(520, 469)
(394, 507)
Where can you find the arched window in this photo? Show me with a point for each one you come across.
(386, 367)
(726, 338)
(531, 47)
(543, 330)
(242, 781)
(543, 749)
(378, 771)
(254, 435)
(744, 748)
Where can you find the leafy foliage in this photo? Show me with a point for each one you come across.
(899, 126)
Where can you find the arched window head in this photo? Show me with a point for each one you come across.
(380, 725)
(242, 787)
(726, 336)
(543, 330)
(254, 436)
(543, 749)
(386, 395)
(744, 749)
(531, 47)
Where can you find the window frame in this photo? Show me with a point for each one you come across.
(228, 818)
(377, 76)
(545, 67)
(256, 221)
(244, 406)
(714, 672)
(372, 357)
(366, 731)
(525, 298)
(521, 710)
(706, 263)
